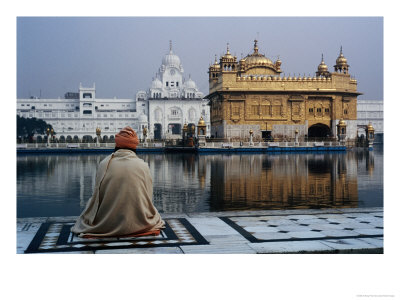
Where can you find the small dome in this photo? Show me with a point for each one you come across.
(190, 84)
(216, 63)
(322, 67)
(201, 122)
(171, 60)
(228, 54)
(370, 127)
(342, 122)
(156, 84)
(341, 60)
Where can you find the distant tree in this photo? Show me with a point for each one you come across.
(28, 127)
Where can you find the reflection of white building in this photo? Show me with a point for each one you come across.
(371, 111)
(79, 114)
(172, 101)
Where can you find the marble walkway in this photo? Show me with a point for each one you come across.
(350, 230)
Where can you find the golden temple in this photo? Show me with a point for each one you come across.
(251, 94)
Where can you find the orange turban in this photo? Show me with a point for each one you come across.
(126, 138)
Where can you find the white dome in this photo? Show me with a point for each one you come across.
(190, 84)
(171, 60)
(142, 118)
(156, 84)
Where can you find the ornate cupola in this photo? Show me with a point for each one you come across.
(322, 69)
(214, 69)
(278, 64)
(341, 63)
(228, 63)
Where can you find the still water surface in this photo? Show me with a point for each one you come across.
(60, 185)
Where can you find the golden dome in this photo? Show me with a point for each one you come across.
(342, 122)
(370, 127)
(341, 60)
(185, 127)
(257, 58)
(201, 122)
(322, 67)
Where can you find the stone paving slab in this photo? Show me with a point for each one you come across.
(239, 232)
(161, 250)
(219, 249)
(292, 247)
(349, 244)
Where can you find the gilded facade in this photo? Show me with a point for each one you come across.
(252, 94)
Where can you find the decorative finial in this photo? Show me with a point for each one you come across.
(322, 59)
(215, 59)
(255, 46)
(341, 50)
(170, 46)
(227, 48)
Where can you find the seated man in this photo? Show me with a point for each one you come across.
(121, 203)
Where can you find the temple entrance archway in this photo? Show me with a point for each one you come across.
(157, 131)
(319, 130)
(174, 128)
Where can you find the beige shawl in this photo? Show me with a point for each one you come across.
(121, 203)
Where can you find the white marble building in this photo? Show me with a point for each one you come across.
(77, 115)
(171, 101)
(163, 109)
(370, 111)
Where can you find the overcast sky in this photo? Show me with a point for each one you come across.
(122, 55)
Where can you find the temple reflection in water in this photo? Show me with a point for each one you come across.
(284, 181)
(61, 184)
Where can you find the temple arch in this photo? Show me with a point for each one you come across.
(319, 130)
